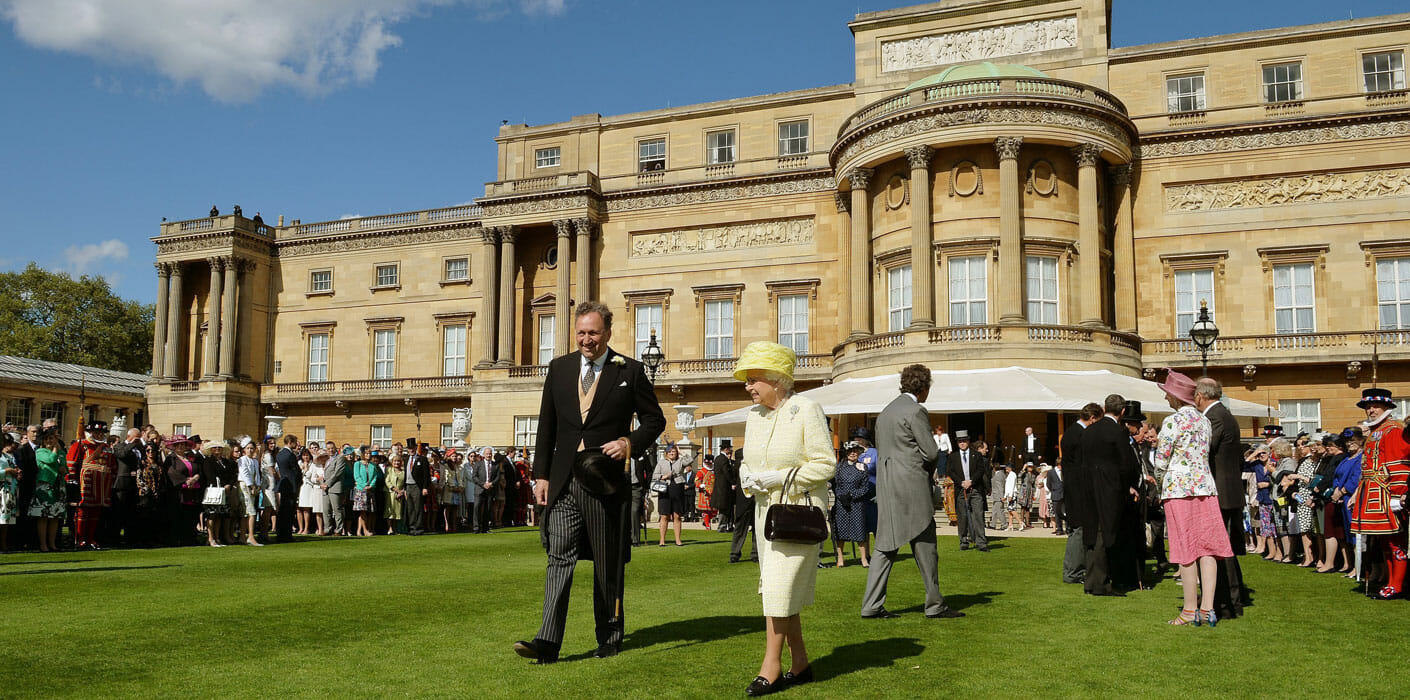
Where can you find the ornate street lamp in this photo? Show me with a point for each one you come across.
(652, 356)
(1204, 333)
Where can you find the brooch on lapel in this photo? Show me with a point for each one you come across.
(792, 411)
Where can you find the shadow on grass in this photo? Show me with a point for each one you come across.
(685, 633)
(87, 569)
(960, 601)
(41, 563)
(876, 653)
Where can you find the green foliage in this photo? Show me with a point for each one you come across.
(51, 316)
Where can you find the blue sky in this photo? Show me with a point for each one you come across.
(120, 112)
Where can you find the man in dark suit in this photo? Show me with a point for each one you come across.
(418, 485)
(1056, 494)
(642, 469)
(1077, 497)
(743, 505)
(291, 478)
(1109, 474)
(128, 454)
(1031, 450)
(589, 399)
(969, 471)
(24, 459)
(1226, 463)
(485, 475)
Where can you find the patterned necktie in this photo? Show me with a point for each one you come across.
(588, 376)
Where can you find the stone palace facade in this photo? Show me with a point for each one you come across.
(997, 186)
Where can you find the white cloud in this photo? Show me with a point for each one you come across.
(236, 48)
(95, 257)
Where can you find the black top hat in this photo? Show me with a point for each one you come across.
(97, 426)
(860, 432)
(726, 445)
(1272, 430)
(599, 474)
(411, 443)
(1370, 397)
(1132, 413)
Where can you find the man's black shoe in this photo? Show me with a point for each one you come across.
(734, 558)
(964, 546)
(539, 650)
(983, 549)
(882, 614)
(607, 650)
(946, 614)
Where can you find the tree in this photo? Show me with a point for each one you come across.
(52, 316)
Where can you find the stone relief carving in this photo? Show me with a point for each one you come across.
(535, 206)
(1297, 189)
(632, 202)
(337, 244)
(979, 44)
(898, 192)
(966, 179)
(1273, 139)
(754, 234)
(1042, 180)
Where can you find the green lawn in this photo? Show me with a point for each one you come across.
(437, 615)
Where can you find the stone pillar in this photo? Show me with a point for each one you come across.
(506, 296)
(229, 318)
(489, 293)
(922, 248)
(159, 337)
(176, 311)
(861, 291)
(1010, 232)
(563, 291)
(1089, 239)
(213, 309)
(844, 256)
(1123, 251)
(583, 228)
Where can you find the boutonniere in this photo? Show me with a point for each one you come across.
(618, 360)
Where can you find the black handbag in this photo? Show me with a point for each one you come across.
(795, 522)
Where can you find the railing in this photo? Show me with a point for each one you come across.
(964, 334)
(1036, 334)
(527, 371)
(542, 183)
(654, 177)
(701, 172)
(884, 340)
(382, 221)
(535, 184)
(1388, 97)
(197, 225)
(1298, 344)
(352, 386)
(216, 223)
(725, 365)
(792, 162)
(719, 170)
(177, 387)
(1059, 334)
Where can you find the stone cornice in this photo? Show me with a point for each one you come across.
(362, 240)
(1285, 35)
(580, 199)
(1272, 134)
(705, 192)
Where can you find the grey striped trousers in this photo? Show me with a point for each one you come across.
(576, 517)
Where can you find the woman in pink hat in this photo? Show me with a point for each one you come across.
(1193, 521)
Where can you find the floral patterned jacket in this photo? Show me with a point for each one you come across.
(1182, 455)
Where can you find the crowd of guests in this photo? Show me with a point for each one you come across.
(142, 489)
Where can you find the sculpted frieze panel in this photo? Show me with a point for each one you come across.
(632, 202)
(1273, 139)
(979, 44)
(535, 206)
(1296, 189)
(704, 239)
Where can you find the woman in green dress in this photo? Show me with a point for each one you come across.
(47, 507)
(396, 491)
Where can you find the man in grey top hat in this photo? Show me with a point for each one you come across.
(969, 471)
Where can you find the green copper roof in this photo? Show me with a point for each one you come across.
(978, 71)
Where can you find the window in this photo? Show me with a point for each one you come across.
(315, 433)
(1042, 290)
(1392, 293)
(1293, 299)
(719, 147)
(1300, 415)
(387, 275)
(547, 157)
(898, 296)
(793, 138)
(183, 429)
(719, 329)
(547, 339)
(318, 357)
(382, 436)
(1384, 71)
(384, 354)
(1184, 93)
(54, 410)
(320, 281)
(17, 413)
(453, 356)
(1402, 409)
(1191, 288)
(648, 319)
(1282, 82)
(447, 439)
(969, 291)
(457, 269)
(651, 155)
(526, 430)
(793, 322)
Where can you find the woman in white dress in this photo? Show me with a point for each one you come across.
(784, 435)
(312, 497)
(306, 497)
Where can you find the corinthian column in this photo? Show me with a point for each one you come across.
(489, 295)
(861, 252)
(561, 322)
(583, 228)
(213, 308)
(922, 255)
(1089, 240)
(174, 332)
(844, 256)
(506, 296)
(1123, 251)
(159, 337)
(1010, 231)
(229, 318)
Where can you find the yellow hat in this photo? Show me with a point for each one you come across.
(767, 356)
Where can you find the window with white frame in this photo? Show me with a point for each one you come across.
(1282, 82)
(547, 332)
(457, 269)
(182, 429)
(388, 275)
(318, 357)
(719, 328)
(647, 319)
(1184, 93)
(793, 322)
(1191, 288)
(17, 413)
(315, 433)
(651, 155)
(547, 157)
(719, 147)
(1294, 299)
(1383, 71)
(969, 290)
(447, 439)
(382, 436)
(1393, 293)
(320, 281)
(526, 430)
(1402, 409)
(1300, 415)
(53, 410)
(453, 351)
(1042, 283)
(793, 138)
(384, 354)
(898, 297)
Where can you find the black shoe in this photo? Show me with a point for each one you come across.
(754, 559)
(946, 614)
(964, 546)
(539, 650)
(983, 549)
(790, 679)
(761, 686)
(734, 558)
(1113, 594)
(882, 614)
(607, 650)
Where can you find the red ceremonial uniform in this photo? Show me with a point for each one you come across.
(1385, 474)
(94, 463)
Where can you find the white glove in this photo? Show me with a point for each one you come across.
(763, 481)
(1395, 504)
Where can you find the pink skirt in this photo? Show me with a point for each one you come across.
(1196, 529)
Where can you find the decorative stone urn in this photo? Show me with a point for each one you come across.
(119, 425)
(460, 426)
(685, 423)
(274, 425)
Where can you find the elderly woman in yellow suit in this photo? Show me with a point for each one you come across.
(783, 432)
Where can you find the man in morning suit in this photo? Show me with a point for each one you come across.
(1109, 476)
(486, 474)
(1226, 463)
(906, 461)
(1077, 496)
(589, 398)
(291, 479)
(418, 486)
(969, 472)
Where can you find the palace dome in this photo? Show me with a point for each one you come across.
(978, 71)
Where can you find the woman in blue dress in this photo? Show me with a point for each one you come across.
(852, 494)
(1344, 484)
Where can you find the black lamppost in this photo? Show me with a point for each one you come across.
(1204, 333)
(652, 357)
